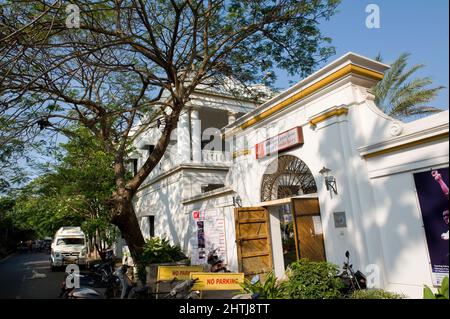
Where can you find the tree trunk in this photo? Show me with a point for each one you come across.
(125, 219)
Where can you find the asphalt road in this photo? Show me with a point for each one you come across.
(22, 277)
(28, 275)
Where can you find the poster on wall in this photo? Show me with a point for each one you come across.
(201, 253)
(210, 235)
(433, 193)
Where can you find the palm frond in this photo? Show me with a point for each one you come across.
(409, 88)
(383, 88)
(406, 75)
(412, 103)
(400, 96)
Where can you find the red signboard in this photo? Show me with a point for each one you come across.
(279, 143)
(196, 214)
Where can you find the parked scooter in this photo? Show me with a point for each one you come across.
(103, 273)
(352, 280)
(101, 277)
(82, 292)
(215, 262)
(182, 290)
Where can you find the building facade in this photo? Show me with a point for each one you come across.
(314, 172)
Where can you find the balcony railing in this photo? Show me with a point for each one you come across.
(172, 159)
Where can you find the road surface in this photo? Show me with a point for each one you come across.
(28, 276)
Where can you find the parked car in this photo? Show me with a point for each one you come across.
(47, 244)
(22, 246)
(68, 247)
(37, 245)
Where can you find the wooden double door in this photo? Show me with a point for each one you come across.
(308, 229)
(254, 246)
(253, 235)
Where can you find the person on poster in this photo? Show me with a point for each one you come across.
(445, 236)
(445, 191)
(201, 240)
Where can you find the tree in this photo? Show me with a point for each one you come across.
(137, 62)
(400, 96)
(71, 192)
(10, 234)
(9, 173)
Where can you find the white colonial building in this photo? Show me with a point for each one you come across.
(315, 171)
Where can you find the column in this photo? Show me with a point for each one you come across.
(184, 149)
(196, 130)
(228, 143)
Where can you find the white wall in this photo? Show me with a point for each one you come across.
(163, 201)
(403, 240)
(398, 216)
(383, 221)
(224, 205)
(325, 145)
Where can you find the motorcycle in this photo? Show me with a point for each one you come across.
(215, 262)
(102, 276)
(182, 290)
(81, 292)
(352, 280)
(86, 289)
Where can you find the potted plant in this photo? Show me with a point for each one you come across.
(159, 252)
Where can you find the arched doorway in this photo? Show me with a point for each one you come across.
(287, 225)
(289, 178)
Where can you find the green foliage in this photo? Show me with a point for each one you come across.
(375, 294)
(12, 151)
(400, 96)
(441, 294)
(269, 289)
(313, 280)
(10, 235)
(157, 250)
(71, 192)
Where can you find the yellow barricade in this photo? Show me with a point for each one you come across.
(217, 281)
(166, 273)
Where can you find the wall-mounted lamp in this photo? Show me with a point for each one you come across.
(330, 181)
(237, 201)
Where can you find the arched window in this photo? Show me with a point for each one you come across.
(287, 176)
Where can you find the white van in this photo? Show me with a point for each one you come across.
(68, 247)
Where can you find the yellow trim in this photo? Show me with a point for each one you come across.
(407, 145)
(327, 115)
(351, 68)
(241, 153)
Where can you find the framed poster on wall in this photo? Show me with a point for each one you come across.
(210, 235)
(433, 194)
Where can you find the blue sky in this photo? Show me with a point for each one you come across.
(418, 27)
